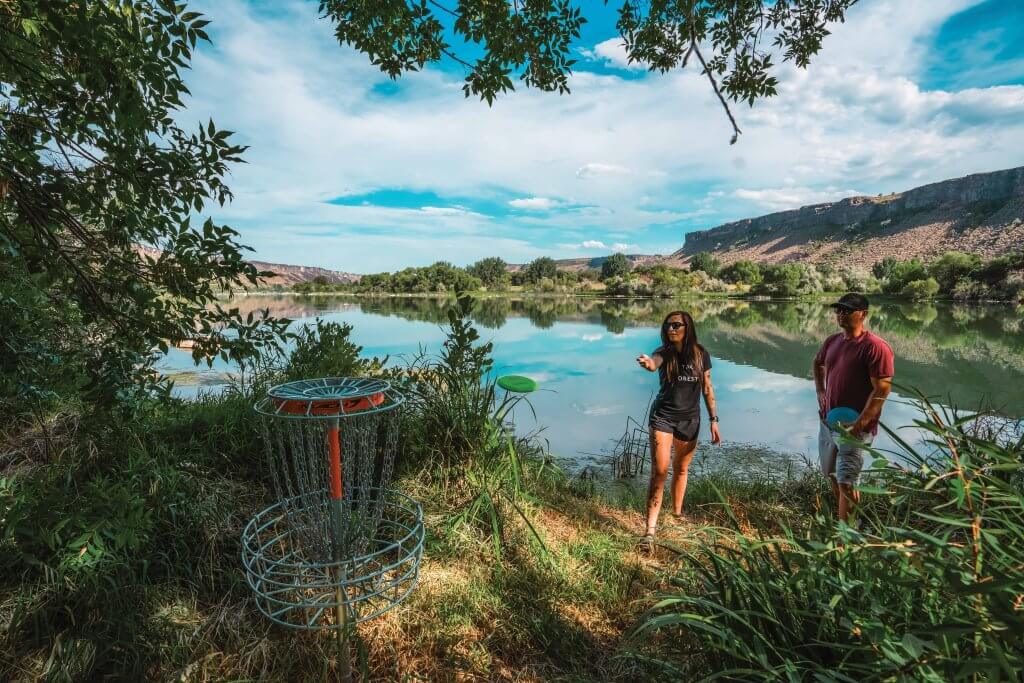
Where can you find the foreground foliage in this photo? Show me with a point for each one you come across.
(532, 40)
(119, 539)
(119, 551)
(930, 588)
(94, 167)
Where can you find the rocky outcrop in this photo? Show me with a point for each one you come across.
(981, 213)
(293, 275)
(283, 274)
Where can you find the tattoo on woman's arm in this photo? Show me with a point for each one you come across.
(709, 398)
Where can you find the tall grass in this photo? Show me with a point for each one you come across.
(931, 588)
(118, 527)
(457, 432)
(119, 534)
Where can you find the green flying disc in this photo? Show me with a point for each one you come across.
(517, 383)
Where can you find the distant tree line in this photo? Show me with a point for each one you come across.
(954, 275)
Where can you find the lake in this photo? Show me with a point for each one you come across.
(583, 350)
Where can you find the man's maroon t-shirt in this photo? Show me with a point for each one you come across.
(849, 366)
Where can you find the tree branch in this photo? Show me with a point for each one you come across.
(458, 59)
(725, 105)
(445, 9)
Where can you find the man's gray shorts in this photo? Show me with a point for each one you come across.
(843, 462)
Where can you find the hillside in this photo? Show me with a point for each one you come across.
(292, 275)
(284, 275)
(578, 264)
(981, 213)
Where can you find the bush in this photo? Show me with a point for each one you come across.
(492, 273)
(902, 273)
(742, 272)
(811, 280)
(952, 267)
(919, 290)
(629, 286)
(616, 265)
(833, 282)
(539, 268)
(324, 349)
(705, 283)
(546, 284)
(855, 279)
(883, 269)
(706, 262)
(780, 280)
(929, 590)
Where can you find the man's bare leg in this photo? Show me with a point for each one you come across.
(849, 497)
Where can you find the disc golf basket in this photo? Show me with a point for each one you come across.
(340, 546)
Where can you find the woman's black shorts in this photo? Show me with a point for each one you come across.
(685, 429)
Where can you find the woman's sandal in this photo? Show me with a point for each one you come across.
(647, 541)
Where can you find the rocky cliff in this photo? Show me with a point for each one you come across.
(292, 275)
(981, 213)
(284, 274)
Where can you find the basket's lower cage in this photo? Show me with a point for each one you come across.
(295, 582)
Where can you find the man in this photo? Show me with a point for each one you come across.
(853, 369)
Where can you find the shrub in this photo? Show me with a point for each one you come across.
(324, 349)
(742, 272)
(629, 286)
(492, 272)
(546, 284)
(833, 282)
(902, 273)
(714, 285)
(539, 268)
(855, 279)
(616, 265)
(780, 280)
(952, 267)
(811, 280)
(929, 590)
(919, 290)
(706, 262)
(883, 269)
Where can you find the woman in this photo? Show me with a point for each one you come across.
(684, 368)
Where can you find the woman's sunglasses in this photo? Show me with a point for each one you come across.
(674, 326)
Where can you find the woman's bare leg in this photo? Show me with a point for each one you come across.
(661, 451)
(683, 454)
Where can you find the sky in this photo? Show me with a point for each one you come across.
(349, 170)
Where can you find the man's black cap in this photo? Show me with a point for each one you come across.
(852, 302)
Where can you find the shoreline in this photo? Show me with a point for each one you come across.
(712, 296)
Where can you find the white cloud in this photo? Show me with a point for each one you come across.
(767, 382)
(596, 169)
(445, 210)
(613, 53)
(603, 246)
(598, 410)
(535, 203)
(778, 199)
(644, 156)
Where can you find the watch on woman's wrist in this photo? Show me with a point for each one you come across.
(713, 418)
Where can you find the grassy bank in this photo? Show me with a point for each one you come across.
(120, 553)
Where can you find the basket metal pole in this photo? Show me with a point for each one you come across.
(337, 509)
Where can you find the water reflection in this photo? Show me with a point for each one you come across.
(967, 355)
(582, 351)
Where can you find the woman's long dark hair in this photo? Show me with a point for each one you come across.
(691, 348)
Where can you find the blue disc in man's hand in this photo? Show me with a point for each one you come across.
(841, 416)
